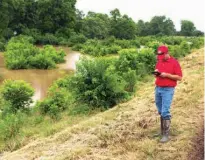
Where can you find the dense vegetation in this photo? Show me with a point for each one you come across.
(22, 54)
(65, 25)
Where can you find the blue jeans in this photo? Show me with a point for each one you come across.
(163, 100)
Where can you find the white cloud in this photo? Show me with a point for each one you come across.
(176, 10)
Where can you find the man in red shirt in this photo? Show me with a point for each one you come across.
(167, 73)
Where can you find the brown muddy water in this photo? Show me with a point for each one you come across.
(41, 80)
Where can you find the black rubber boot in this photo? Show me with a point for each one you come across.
(161, 128)
(166, 128)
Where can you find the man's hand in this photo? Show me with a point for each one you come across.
(163, 74)
(170, 76)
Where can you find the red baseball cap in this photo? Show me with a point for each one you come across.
(162, 50)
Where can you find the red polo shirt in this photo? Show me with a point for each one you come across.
(171, 66)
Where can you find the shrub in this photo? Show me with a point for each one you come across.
(154, 45)
(35, 33)
(142, 61)
(127, 60)
(124, 43)
(48, 38)
(147, 56)
(2, 44)
(22, 39)
(1, 103)
(185, 47)
(24, 55)
(97, 84)
(135, 43)
(50, 52)
(79, 109)
(144, 40)
(10, 125)
(196, 42)
(41, 61)
(77, 38)
(58, 100)
(77, 47)
(176, 51)
(18, 93)
(114, 49)
(17, 55)
(130, 78)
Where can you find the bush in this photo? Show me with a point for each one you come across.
(114, 49)
(124, 43)
(22, 39)
(48, 38)
(21, 54)
(50, 52)
(77, 47)
(2, 44)
(10, 126)
(78, 109)
(142, 61)
(144, 40)
(1, 103)
(196, 42)
(78, 38)
(97, 84)
(127, 60)
(41, 61)
(17, 55)
(154, 45)
(35, 33)
(185, 47)
(147, 56)
(176, 51)
(135, 43)
(58, 100)
(17, 93)
(130, 78)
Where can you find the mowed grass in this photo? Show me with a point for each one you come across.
(126, 131)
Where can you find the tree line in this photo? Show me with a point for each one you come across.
(61, 19)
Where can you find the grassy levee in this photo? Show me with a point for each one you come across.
(125, 131)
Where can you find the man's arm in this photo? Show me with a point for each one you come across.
(171, 76)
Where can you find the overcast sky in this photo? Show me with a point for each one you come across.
(176, 10)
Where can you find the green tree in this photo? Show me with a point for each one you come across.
(161, 25)
(17, 93)
(79, 21)
(95, 25)
(142, 28)
(45, 15)
(59, 13)
(187, 28)
(122, 27)
(198, 33)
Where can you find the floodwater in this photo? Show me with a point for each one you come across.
(41, 80)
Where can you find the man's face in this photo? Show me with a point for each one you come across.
(161, 56)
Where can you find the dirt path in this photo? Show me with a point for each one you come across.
(125, 132)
